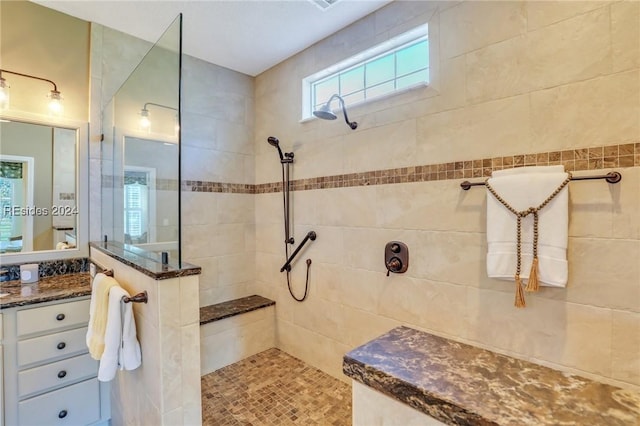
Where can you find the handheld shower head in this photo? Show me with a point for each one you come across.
(325, 113)
(273, 141)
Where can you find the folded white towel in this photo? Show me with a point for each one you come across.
(121, 347)
(522, 188)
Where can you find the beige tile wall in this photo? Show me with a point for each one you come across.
(217, 145)
(509, 78)
(232, 339)
(218, 233)
(165, 389)
(371, 407)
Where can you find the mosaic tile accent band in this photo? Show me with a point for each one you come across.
(603, 157)
(595, 158)
(108, 181)
(231, 188)
(66, 196)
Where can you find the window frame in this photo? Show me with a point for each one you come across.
(150, 201)
(391, 46)
(28, 191)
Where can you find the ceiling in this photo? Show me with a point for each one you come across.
(249, 36)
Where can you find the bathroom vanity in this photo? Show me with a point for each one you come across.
(48, 375)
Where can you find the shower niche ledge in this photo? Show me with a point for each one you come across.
(430, 380)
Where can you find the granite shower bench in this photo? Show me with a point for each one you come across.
(410, 377)
(236, 329)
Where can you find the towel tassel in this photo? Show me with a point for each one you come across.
(532, 284)
(519, 303)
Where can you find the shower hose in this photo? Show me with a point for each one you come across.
(288, 240)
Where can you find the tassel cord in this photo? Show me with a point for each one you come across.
(532, 284)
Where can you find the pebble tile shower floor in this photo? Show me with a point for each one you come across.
(274, 388)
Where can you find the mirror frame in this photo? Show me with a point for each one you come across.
(82, 189)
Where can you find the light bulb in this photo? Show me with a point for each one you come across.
(55, 104)
(145, 123)
(4, 94)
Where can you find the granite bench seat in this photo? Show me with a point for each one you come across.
(233, 307)
(236, 329)
(459, 384)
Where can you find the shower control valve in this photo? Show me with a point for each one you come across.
(396, 257)
(394, 265)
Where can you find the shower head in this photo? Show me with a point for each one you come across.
(325, 113)
(273, 141)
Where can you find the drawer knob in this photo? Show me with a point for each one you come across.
(62, 414)
(61, 345)
(60, 317)
(62, 374)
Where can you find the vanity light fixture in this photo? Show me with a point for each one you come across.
(55, 97)
(145, 122)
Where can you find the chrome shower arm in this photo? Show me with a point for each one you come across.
(351, 124)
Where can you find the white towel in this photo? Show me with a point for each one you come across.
(522, 188)
(121, 347)
(98, 311)
(62, 246)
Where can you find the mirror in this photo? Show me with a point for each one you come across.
(150, 185)
(140, 153)
(40, 209)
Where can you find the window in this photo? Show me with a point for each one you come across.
(10, 196)
(396, 65)
(136, 207)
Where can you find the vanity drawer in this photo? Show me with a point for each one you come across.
(52, 317)
(55, 374)
(74, 405)
(52, 346)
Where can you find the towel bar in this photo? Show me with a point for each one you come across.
(138, 298)
(611, 177)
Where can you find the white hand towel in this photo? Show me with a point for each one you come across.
(121, 347)
(522, 188)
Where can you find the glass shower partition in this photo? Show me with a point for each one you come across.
(141, 155)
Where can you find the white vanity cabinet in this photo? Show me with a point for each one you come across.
(49, 377)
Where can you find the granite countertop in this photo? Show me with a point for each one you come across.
(460, 384)
(46, 289)
(144, 261)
